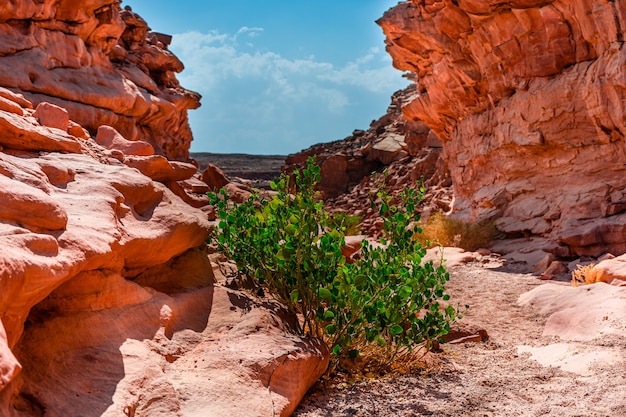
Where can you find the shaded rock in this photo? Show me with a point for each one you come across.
(214, 177)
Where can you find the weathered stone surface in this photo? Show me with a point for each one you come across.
(25, 134)
(134, 351)
(160, 169)
(579, 313)
(52, 116)
(113, 140)
(101, 64)
(108, 301)
(527, 99)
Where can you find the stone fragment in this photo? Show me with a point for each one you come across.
(160, 169)
(111, 139)
(50, 115)
(214, 177)
(78, 131)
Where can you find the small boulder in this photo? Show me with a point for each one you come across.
(110, 138)
(214, 177)
(51, 115)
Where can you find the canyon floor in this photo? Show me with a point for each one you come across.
(516, 372)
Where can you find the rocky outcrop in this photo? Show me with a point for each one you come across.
(527, 98)
(100, 63)
(109, 303)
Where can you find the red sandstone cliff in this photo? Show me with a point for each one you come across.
(109, 305)
(527, 98)
(101, 64)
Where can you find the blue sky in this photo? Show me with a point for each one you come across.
(277, 76)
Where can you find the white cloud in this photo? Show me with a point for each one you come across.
(273, 93)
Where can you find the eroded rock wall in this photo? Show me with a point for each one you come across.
(528, 99)
(109, 303)
(102, 64)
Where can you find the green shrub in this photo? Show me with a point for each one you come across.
(346, 223)
(291, 246)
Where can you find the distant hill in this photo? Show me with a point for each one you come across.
(250, 167)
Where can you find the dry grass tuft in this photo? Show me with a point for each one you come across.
(587, 274)
(373, 363)
(441, 230)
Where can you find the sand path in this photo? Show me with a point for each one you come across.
(517, 372)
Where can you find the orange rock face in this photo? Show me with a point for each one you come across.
(102, 64)
(527, 98)
(108, 300)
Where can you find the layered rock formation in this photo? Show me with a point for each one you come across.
(527, 98)
(108, 300)
(100, 63)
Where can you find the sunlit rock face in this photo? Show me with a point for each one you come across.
(102, 64)
(527, 98)
(109, 304)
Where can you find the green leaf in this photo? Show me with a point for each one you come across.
(294, 296)
(331, 329)
(323, 294)
(329, 315)
(336, 350)
(396, 329)
(360, 281)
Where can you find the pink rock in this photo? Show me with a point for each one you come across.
(110, 138)
(19, 133)
(237, 193)
(352, 246)
(51, 115)
(579, 313)
(160, 169)
(557, 268)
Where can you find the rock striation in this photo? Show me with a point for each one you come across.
(100, 63)
(527, 98)
(109, 302)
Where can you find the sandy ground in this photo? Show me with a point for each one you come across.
(516, 372)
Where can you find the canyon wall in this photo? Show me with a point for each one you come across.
(110, 303)
(100, 63)
(528, 100)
